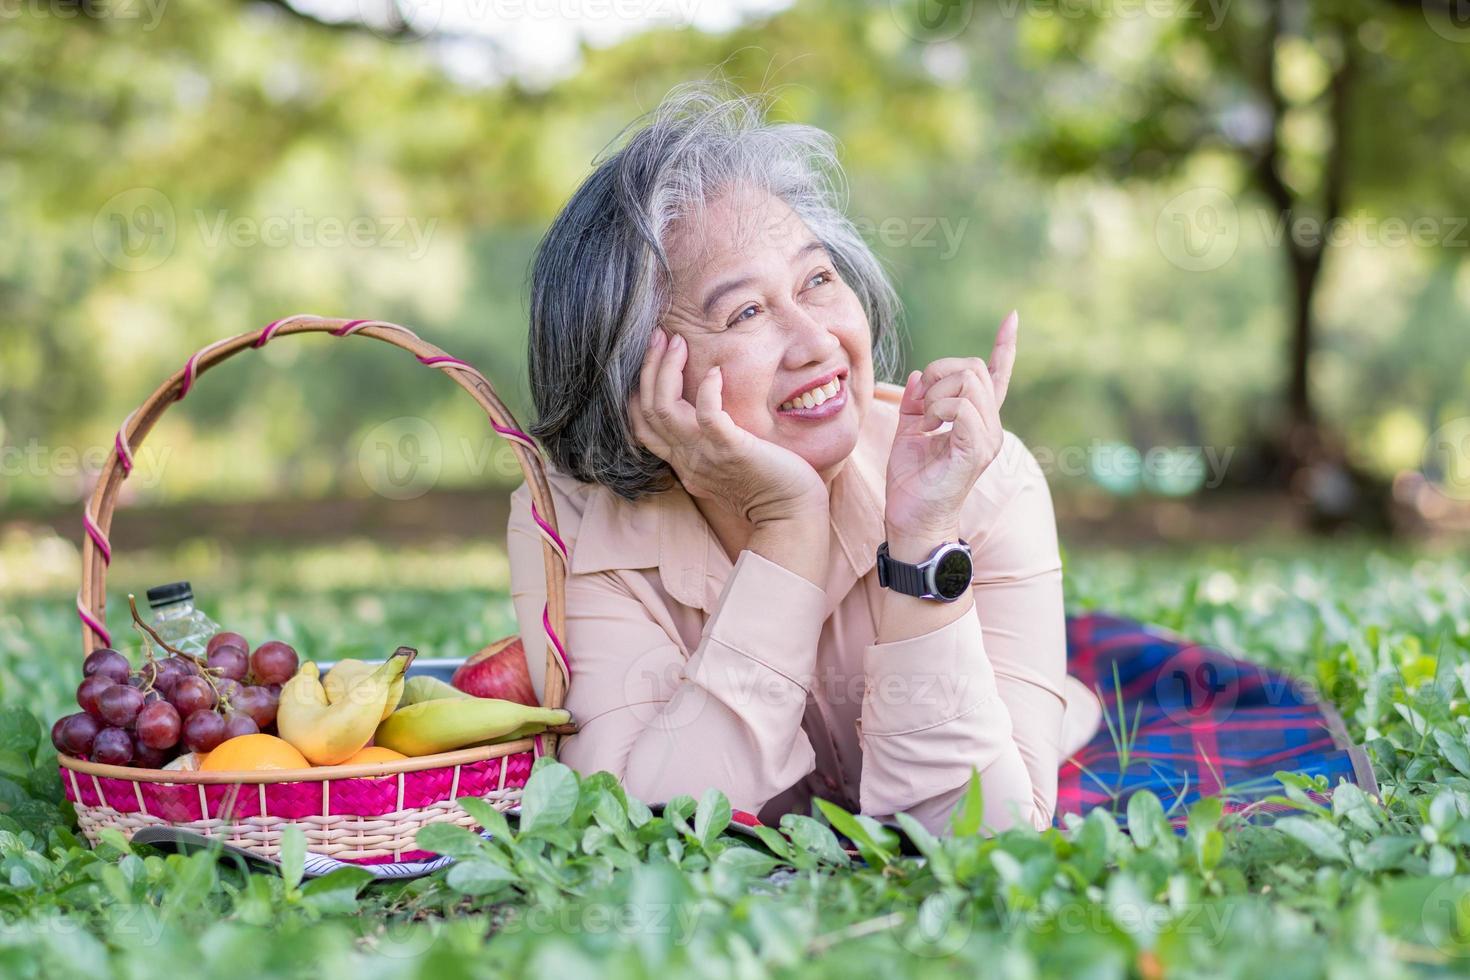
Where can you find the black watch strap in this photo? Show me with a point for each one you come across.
(898, 575)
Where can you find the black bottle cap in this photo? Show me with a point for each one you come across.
(167, 595)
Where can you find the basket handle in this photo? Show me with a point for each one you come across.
(97, 517)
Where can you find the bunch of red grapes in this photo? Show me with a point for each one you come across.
(146, 717)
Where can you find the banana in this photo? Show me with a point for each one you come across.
(327, 731)
(451, 723)
(348, 672)
(424, 687)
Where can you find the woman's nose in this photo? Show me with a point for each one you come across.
(809, 338)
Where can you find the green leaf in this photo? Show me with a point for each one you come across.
(20, 733)
(712, 817)
(1317, 836)
(1386, 853)
(1350, 803)
(293, 856)
(815, 838)
(1205, 814)
(336, 893)
(930, 846)
(478, 877)
(744, 862)
(970, 814)
(1452, 747)
(550, 798)
(450, 840)
(488, 817)
(873, 852)
(1145, 818)
(778, 845)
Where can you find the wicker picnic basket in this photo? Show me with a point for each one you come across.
(365, 814)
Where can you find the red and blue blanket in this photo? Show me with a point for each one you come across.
(1187, 721)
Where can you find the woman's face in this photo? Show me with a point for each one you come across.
(756, 295)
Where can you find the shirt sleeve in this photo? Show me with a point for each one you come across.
(985, 691)
(665, 722)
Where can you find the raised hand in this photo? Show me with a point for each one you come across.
(714, 458)
(932, 469)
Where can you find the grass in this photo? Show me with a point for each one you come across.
(595, 885)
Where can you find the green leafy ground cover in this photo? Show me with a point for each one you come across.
(593, 884)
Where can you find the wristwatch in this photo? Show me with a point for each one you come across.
(943, 576)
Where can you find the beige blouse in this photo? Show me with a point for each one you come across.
(690, 672)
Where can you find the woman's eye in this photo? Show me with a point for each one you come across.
(746, 313)
(820, 279)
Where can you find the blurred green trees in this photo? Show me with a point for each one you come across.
(205, 170)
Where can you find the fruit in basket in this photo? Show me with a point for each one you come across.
(273, 662)
(203, 730)
(192, 694)
(159, 725)
(231, 662)
(327, 731)
(345, 673)
(107, 663)
(145, 756)
(259, 703)
(73, 734)
(374, 753)
(254, 752)
(238, 724)
(112, 747)
(498, 671)
(452, 723)
(425, 687)
(188, 762)
(119, 705)
(224, 638)
(89, 690)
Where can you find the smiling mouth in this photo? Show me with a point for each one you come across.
(813, 397)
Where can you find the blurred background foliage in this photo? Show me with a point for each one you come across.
(1141, 180)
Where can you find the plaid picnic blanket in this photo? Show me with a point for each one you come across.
(1196, 722)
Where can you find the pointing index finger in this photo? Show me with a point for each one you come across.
(1003, 356)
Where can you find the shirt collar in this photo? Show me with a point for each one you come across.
(666, 530)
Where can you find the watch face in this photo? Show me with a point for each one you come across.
(952, 574)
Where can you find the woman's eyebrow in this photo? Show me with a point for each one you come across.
(709, 301)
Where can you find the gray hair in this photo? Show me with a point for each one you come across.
(600, 283)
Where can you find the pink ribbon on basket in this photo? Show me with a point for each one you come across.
(93, 623)
(94, 531)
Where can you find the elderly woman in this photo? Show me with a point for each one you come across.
(788, 578)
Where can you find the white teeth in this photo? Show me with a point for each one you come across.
(814, 397)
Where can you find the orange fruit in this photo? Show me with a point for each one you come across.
(245, 753)
(374, 753)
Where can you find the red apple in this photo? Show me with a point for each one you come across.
(498, 671)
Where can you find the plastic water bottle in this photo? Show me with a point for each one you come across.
(176, 619)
